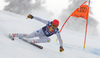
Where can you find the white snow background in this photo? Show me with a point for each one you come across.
(73, 41)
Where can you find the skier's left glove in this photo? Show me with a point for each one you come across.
(30, 16)
(61, 49)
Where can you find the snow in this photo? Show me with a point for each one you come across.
(73, 41)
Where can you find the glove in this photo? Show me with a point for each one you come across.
(61, 49)
(30, 16)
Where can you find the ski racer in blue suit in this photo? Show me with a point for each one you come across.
(44, 33)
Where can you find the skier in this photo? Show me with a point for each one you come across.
(44, 33)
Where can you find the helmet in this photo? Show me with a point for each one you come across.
(56, 22)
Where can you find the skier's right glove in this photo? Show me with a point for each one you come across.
(30, 16)
(61, 49)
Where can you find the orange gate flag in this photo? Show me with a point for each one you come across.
(81, 12)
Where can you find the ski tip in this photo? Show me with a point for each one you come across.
(41, 47)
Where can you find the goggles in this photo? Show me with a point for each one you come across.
(54, 25)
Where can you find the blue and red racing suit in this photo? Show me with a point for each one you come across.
(48, 31)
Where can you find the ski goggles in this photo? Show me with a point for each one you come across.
(54, 25)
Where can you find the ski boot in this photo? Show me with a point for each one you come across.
(11, 36)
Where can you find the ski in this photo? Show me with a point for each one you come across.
(38, 46)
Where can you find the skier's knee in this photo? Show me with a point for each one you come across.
(48, 40)
(24, 34)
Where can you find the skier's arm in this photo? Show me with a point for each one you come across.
(60, 41)
(37, 18)
(41, 20)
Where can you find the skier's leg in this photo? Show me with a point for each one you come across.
(42, 39)
(33, 34)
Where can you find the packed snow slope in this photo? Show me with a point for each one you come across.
(73, 41)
